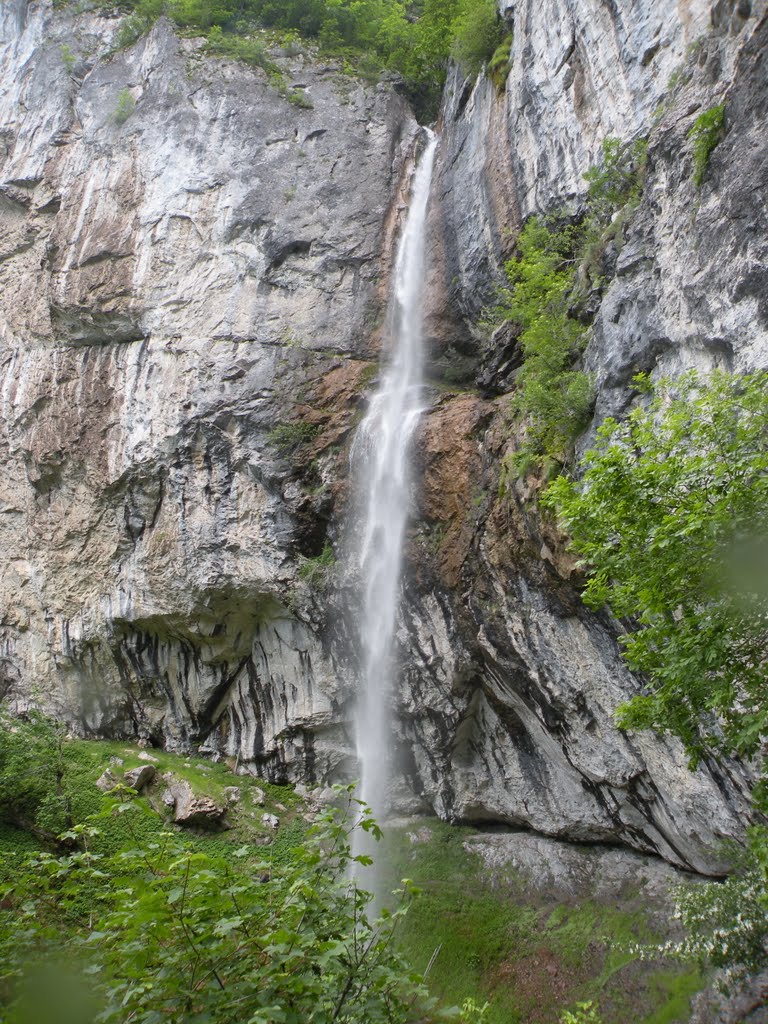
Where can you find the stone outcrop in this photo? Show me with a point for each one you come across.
(139, 778)
(193, 276)
(192, 810)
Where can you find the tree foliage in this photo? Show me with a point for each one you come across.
(414, 39)
(671, 519)
(164, 932)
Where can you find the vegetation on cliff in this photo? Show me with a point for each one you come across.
(414, 39)
(559, 264)
(671, 518)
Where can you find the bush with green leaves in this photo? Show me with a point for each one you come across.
(707, 131)
(725, 923)
(557, 265)
(167, 933)
(368, 36)
(670, 516)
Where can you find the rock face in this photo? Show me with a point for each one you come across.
(185, 255)
(192, 281)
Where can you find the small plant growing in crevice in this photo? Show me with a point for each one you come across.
(285, 438)
(314, 571)
(617, 179)
(500, 63)
(298, 98)
(126, 105)
(707, 131)
(68, 57)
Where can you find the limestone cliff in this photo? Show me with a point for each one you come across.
(193, 277)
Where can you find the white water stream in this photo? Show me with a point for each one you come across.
(380, 456)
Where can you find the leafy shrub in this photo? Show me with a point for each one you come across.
(726, 923)
(126, 105)
(167, 933)
(285, 438)
(707, 131)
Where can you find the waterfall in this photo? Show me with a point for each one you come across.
(380, 459)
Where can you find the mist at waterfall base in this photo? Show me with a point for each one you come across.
(380, 462)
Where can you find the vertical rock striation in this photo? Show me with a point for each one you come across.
(190, 281)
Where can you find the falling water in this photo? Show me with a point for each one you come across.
(380, 455)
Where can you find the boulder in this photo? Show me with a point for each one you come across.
(139, 778)
(106, 782)
(194, 811)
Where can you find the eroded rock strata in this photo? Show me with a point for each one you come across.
(193, 281)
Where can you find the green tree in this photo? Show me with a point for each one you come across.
(671, 517)
(169, 933)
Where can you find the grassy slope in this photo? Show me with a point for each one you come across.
(86, 760)
(529, 957)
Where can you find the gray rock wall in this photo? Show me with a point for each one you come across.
(185, 254)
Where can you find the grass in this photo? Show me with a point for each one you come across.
(86, 760)
(527, 955)
(707, 132)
